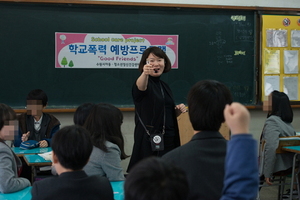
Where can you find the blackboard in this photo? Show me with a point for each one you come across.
(208, 40)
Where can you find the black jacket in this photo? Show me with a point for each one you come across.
(72, 185)
(203, 160)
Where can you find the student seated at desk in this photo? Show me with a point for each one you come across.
(80, 115)
(104, 124)
(278, 124)
(72, 147)
(34, 124)
(10, 164)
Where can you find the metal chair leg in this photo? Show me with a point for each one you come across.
(281, 187)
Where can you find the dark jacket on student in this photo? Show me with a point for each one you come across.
(49, 126)
(73, 185)
(203, 160)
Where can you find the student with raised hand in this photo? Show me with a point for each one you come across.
(156, 113)
(10, 164)
(35, 124)
(72, 147)
(104, 124)
(241, 166)
(203, 157)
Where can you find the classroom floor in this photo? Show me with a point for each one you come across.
(270, 193)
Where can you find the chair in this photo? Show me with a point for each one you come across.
(279, 178)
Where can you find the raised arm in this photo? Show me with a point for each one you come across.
(241, 167)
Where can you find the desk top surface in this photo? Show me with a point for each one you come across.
(118, 189)
(295, 149)
(25, 194)
(19, 151)
(36, 160)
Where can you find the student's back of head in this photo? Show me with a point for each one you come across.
(104, 124)
(72, 146)
(82, 113)
(280, 106)
(206, 102)
(37, 95)
(153, 179)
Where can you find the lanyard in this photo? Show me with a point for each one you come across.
(163, 130)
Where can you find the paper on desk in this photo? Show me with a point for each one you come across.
(46, 156)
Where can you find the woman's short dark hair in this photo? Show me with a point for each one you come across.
(281, 106)
(6, 114)
(73, 146)
(153, 178)
(38, 94)
(104, 124)
(82, 113)
(157, 52)
(206, 102)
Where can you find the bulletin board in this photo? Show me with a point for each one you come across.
(280, 55)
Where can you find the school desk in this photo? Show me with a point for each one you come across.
(35, 162)
(20, 195)
(296, 150)
(25, 194)
(20, 152)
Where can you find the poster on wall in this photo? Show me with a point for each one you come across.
(121, 51)
(290, 62)
(295, 38)
(271, 84)
(276, 38)
(291, 87)
(272, 61)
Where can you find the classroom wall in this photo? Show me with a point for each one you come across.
(258, 118)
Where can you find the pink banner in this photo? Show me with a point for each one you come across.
(122, 51)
